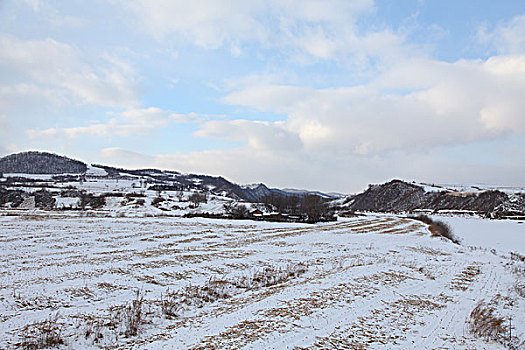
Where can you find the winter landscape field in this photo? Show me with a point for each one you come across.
(262, 174)
(82, 281)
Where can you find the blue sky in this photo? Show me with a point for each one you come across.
(328, 95)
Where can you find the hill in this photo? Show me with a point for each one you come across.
(400, 196)
(48, 163)
(40, 163)
(47, 181)
(101, 180)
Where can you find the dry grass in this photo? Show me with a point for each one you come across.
(486, 322)
(464, 279)
(174, 303)
(126, 319)
(383, 327)
(518, 269)
(428, 250)
(241, 334)
(38, 302)
(41, 335)
(519, 287)
(170, 306)
(483, 322)
(245, 299)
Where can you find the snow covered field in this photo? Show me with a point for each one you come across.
(502, 235)
(171, 283)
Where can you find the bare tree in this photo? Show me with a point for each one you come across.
(314, 207)
(237, 211)
(198, 198)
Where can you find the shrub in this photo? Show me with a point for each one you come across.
(90, 200)
(423, 218)
(113, 194)
(437, 228)
(314, 207)
(134, 195)
(483, 322)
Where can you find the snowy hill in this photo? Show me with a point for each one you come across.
(400, 196)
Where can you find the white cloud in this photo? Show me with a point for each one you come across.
(4, 134)
(3, 123)
(18, 94)
(258, 135)
(405, 108)
(108, 129)
(34, 4)
(51, 15)
(274, 98)
(505, 38)
(34, 134)
(248, 165)
(103, 80)
(302, 28)
(208, 24)
(442, 104)
(143, 121)
(122, 157)
(332, 172)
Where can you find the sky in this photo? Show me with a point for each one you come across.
(325, 95)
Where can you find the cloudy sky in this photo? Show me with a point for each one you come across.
(327, 94)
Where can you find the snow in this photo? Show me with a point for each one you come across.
(95, 171)
(468, 188)
(66, 202)
(377, 281)
(502, 235)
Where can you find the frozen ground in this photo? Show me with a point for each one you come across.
(374, 282)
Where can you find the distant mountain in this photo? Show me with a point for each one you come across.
(400, 196)
(40, 163)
